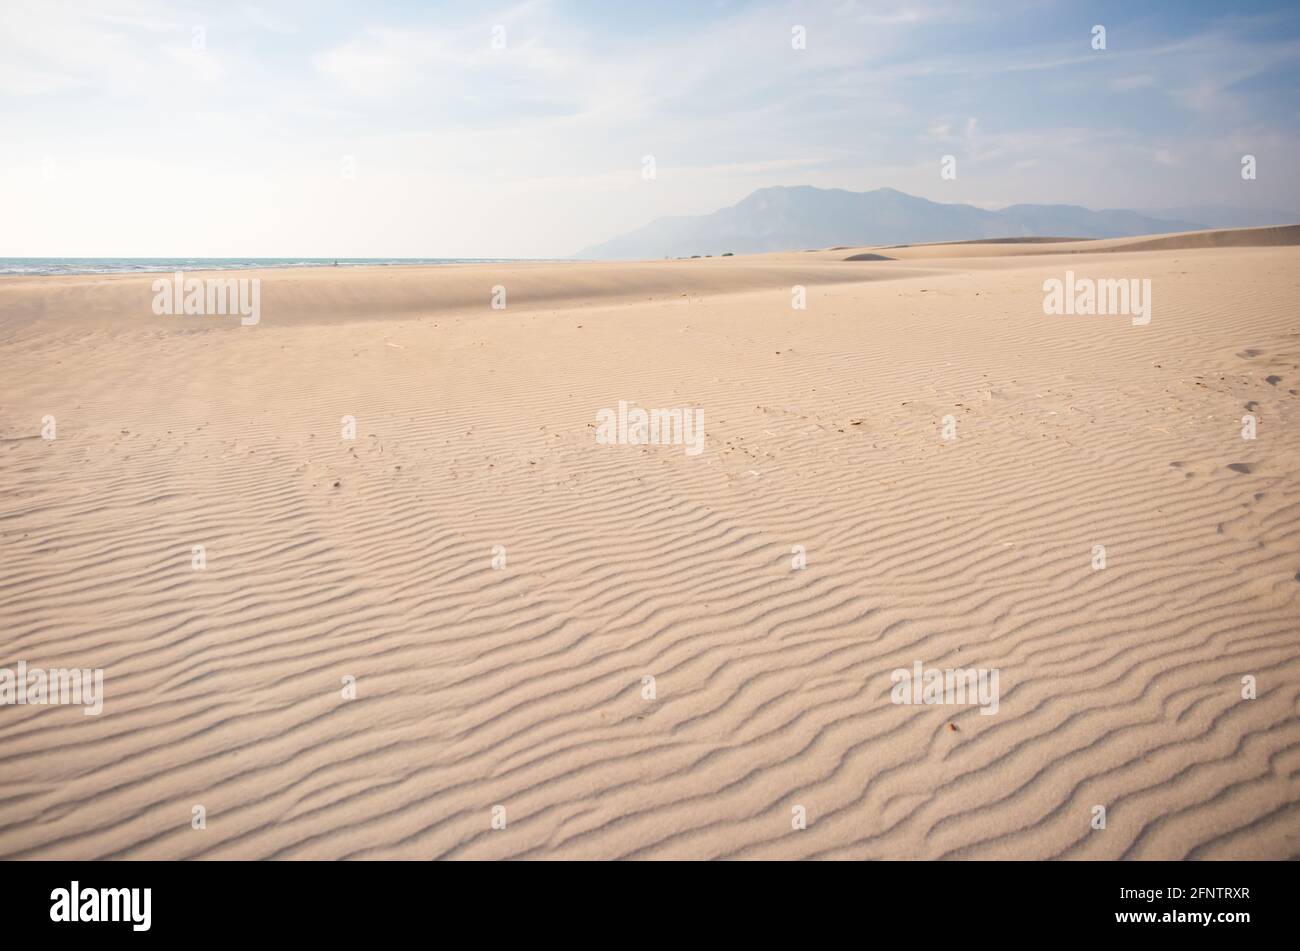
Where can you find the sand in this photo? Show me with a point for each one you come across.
(516, 696)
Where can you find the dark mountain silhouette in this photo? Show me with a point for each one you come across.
(796, 218)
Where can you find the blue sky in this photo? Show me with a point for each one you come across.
(358, 129)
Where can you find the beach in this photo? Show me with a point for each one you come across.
(483, 619)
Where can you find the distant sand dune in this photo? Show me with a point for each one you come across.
(523, 687)
(1231, 238)
(1281, 236)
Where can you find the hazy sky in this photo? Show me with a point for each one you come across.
(137, 128)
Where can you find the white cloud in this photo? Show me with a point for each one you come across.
(535, 150)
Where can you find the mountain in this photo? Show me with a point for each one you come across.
(795, 218)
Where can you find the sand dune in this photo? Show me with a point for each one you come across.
(322, 295)
(523, 686)
(1282, 236)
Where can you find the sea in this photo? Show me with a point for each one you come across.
(145, 265)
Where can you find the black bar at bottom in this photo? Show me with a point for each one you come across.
(1219, 902)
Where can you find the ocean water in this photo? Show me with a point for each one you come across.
(132, 265)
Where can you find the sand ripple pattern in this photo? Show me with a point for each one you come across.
(522, 687)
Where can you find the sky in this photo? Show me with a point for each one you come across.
(378, 129)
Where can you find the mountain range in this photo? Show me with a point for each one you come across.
(791, 218)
